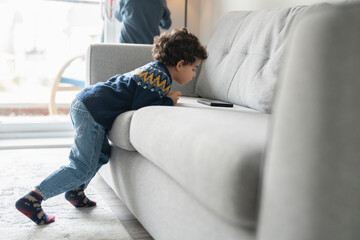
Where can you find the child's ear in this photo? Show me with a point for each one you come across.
(179, 65)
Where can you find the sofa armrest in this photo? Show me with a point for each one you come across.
(107, 60)
(311, 184)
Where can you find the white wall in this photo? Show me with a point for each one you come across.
(177, 9)
(212, 10)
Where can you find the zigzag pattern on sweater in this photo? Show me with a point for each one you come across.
(153, 80)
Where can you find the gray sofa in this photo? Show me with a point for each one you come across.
(279, 168)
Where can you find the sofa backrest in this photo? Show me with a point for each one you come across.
(107, 60)
(245, 55)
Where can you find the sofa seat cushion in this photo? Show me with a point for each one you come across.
(213, 153)
(120, 131)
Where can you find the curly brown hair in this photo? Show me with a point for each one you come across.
(172, 47)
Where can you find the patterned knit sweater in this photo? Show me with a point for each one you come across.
(145, 86)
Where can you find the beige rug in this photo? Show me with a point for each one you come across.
(20, 171)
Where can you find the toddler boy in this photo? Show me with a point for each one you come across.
(177, 55)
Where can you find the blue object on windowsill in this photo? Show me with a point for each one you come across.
(75, 82)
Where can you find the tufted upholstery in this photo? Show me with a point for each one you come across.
(244, 66)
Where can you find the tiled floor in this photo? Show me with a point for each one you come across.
(127, 219)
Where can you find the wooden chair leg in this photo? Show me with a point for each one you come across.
(55, 85)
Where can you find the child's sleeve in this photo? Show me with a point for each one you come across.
(167, 101)
(145, 97)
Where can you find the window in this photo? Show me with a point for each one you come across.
(38, 37)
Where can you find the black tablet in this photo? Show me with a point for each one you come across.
(215, 103)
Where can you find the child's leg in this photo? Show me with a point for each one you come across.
(84, 155)
(77, 196)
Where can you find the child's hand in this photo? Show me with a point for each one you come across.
(174, 96)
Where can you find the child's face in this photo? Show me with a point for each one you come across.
(186, 73)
